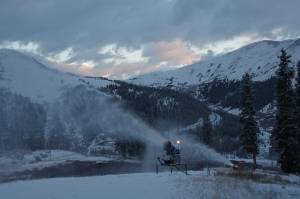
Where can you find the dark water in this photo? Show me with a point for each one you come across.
(93, 168)
(75, 169)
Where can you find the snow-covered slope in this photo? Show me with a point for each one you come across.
(27, 76)
(259, 58)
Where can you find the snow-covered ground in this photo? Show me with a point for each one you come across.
(147, 185)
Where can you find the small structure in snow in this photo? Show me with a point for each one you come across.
(171, 158)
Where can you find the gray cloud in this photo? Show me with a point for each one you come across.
(87, 26)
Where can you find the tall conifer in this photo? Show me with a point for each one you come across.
(249, 129)
(298, 114)
(284, 133)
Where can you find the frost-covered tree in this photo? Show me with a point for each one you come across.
(34, 122)
(55, 132)
(249, 129)
(284, 133)
(22, 122)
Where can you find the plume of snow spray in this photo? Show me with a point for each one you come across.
(194, 151)
(91, 109)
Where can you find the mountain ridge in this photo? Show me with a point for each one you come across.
(30, 77)
(258, 58)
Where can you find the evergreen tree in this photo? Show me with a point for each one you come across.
(285, 128)
(298, 113)
(207, 131)
(249, 129)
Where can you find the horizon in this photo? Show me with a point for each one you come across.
(122, 39)
(56, 66)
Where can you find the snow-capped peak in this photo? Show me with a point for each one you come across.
(259, 58)
(25, 75)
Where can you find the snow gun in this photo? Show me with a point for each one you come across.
(171, 158)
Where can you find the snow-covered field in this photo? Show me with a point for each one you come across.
(147, 185)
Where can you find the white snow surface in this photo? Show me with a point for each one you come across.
(147, 185)
(259, 58)
(29, 77)
(215, 119)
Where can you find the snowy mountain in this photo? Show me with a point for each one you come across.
(259, 58)
(29, 77)
(216, 81)
(70, 112)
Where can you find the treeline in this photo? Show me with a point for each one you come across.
(73, 122)
(221, 136)
(285, 137)
(22, 122)
(82, 116)
(162, 108)
(227, 92)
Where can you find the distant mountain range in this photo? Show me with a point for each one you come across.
(75, 113)
(259, 58)
(29, 77)
(216, 81)
(173, 101)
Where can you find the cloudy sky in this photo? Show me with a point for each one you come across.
(124, 38)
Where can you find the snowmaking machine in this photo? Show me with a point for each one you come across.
(171, 158)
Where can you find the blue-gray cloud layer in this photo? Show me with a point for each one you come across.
(86, 25)
(62, 23)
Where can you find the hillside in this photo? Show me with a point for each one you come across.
(29, 77)
(216, 81)
(258, 58)
(94, 115)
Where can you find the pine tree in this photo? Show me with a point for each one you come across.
(206, 131)
(285, 127)
(298, 114)
(249, 129)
